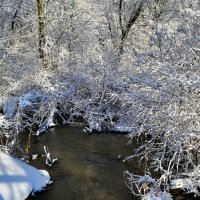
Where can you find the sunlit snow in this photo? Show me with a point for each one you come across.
(18, 179)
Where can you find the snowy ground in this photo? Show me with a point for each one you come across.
(18, 179)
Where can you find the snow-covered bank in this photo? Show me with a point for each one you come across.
(18, 179)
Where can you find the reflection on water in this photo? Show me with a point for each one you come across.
(88, 167)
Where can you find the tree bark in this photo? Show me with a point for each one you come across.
(126, 28)
(41, 35)
(15, 16)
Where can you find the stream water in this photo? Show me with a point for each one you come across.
(88, 167)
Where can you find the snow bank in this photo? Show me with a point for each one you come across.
(123, 128)
(157, 196)
(18, 179)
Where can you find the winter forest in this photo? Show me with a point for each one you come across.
(129, 66)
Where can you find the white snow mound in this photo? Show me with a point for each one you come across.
(18, 179)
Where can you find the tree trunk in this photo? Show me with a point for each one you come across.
(41, 35)
(125, 29)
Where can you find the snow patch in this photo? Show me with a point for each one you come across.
(50, 121)
(180, 183)
(185, 184)
(10, 106)
(157, 196)
(1, 103)
(123, 128)
(4, 123)
(28, 99)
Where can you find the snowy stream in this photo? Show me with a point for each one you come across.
(88, 167)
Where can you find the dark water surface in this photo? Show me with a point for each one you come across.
(88, 168)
